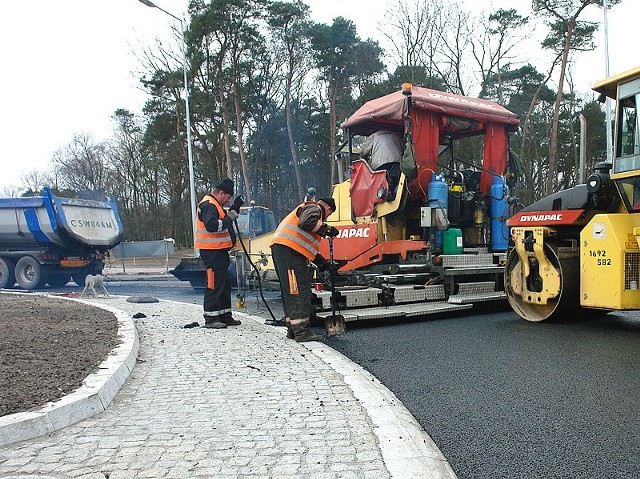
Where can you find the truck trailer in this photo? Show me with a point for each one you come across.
(52, 240)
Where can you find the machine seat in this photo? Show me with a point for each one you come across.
(367, 188)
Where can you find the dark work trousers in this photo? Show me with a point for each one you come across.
(217, 297)
(293, 272)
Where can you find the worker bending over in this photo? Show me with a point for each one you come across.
(296, 242)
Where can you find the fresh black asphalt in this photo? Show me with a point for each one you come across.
(504, 398)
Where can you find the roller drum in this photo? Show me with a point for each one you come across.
(521, 291)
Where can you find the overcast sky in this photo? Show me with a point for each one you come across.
(69, 64)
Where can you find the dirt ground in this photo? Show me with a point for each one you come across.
(48, 346)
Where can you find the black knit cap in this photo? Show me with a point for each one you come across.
(330, 202)
(225, 185)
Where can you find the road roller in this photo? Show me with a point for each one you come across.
(578, 248)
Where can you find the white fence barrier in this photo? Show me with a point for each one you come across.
(145, 249)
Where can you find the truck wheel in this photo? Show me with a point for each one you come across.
(59, 279)
(30, 274)
(7, 273)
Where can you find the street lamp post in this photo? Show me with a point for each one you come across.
(608, 100)
(192, 185)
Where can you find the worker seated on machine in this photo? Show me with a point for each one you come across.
(383, 151)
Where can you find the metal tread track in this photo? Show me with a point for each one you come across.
(397, 312)
(469, 299)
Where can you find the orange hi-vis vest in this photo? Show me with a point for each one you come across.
(290, 234)
(206, 239)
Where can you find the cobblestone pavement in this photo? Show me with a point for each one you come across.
(242, 402)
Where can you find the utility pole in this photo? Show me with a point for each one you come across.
(608, 100)
(192, 185)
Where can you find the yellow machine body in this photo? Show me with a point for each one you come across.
(521, 272)
(610, 262)
(610, 257)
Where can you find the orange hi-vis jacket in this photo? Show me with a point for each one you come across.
(212, 240)
(290, 234)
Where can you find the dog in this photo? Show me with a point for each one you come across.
(93, 282)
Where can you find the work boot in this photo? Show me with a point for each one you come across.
(231, 321)
(290, 334)
(302, 332)
(306, 335)
(214, 324)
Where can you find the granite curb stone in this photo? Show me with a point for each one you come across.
(240, 402)
(95, 394)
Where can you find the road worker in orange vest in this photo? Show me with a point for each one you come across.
(296, 242)
(215, 236)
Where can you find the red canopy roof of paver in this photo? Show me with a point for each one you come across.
(389, 109)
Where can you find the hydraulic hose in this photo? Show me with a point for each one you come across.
(255, 268)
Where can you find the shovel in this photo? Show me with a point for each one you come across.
(334, 324)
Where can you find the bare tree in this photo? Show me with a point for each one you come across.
(429, 37)
(457, 31)
(82, 165)
(11, 191)
(413, 34)
(499, 35)
(35, 180)
(566, 34)
(290, 22)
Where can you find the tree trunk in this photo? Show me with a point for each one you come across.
(333, 93)
(292, 143)
(527, 118)
(552, 178)
(225, 130)
(243, 159)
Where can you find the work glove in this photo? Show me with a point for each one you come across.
(237, 203)
(332, 232)
(227, 222)
(322, 231)
(328, 231)
(233, 214)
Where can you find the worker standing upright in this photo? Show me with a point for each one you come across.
(214, 238)
(296, 242)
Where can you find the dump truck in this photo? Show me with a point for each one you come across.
(51, 240)
(426, 234)
(578, 248)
